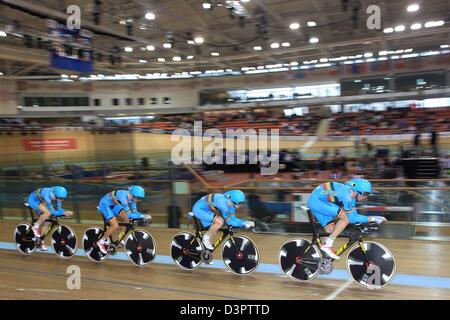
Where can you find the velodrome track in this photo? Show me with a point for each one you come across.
(422, 273)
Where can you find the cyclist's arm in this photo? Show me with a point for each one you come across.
(355, 217)
(133, 206)
(222, 206)
(123, 199)
(48, 203)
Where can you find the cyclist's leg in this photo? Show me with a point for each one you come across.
(208, 220)
(341, 224)
(42, 211)
(110, 217)
(325, 212)
(217, 223)
(40, 227)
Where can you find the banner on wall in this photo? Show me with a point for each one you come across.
(49, 144)
(70, 49)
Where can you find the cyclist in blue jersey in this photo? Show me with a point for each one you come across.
(121, 203)
(333, 204)
(41, 201)
(214, 209)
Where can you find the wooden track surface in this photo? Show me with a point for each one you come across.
(43, 276)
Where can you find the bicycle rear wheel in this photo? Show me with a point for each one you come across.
(25, 239)
(90, 246)
(186, 249)
(371, 265)
(299, 260)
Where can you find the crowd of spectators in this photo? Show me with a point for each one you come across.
(388, 122)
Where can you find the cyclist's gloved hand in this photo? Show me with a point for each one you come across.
(146, 217)
(377, 219)
(235, 222)
(249, 224)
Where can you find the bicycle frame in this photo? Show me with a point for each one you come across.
(352, 237)
(226, 233)
(129, 227)
(54, 222)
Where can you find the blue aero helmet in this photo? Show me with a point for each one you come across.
(237, 197)
(59, 192)
(137, 192)
(361, 186)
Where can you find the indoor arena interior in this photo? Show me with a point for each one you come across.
(224, 150)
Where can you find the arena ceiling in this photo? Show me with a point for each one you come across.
(231, 29)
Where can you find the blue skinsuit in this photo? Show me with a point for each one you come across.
(44, 196)
(114, 202)
(331, 199)
(213, 204)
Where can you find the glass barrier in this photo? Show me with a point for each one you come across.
(417, 209)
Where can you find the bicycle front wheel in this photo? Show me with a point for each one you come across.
(371, 265)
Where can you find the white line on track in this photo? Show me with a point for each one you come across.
(40, 290)
(339, 290)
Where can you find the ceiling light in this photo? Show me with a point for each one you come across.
(245, 0)
(399, 28)
(128, 49)
(215, 54)
(64, 76)
(206, 5)
(444, 46)
(199, 40)
(294, 63)
(167, 45)
(142, 61)
(413, 7)
(313, 40)
(416, 26)
(176, 58)
(257, 48)
(323, 60)
(190, 57)
(161, 60)
(368, 54)
(286, 44)
(388, 30)
(408, 50)
(150, 48)
(275, 45)
(438, 23)
(294, 26)
(150, 16)
(2, 34)
(311, 24)
(191, 42)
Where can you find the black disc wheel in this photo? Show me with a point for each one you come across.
(90, 246)
(140, 248)
(299, 260)
(371, 265)
(25, 239)
(64, 242)
(186, 249)
(240, 255)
